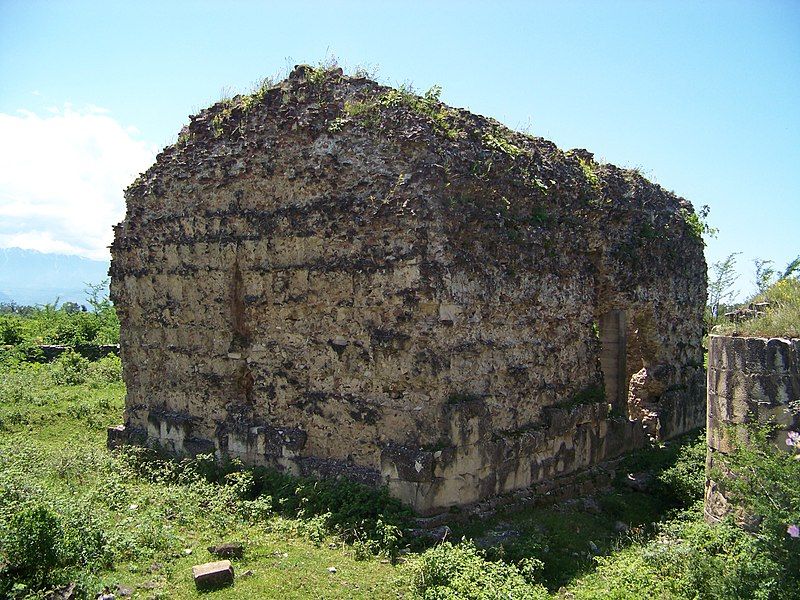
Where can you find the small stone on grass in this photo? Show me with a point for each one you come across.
(213, 575)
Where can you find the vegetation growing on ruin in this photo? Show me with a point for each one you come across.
(776, 310)
(428, 106)
(496, 141)
(781, 317)
(589, 395)
(589, 173)
(697, 221)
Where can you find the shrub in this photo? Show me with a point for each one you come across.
(764, 481)
(31, 544)
(688, 559)
(70, 368)
(461, 571)
(684, 482)
(10, 331)
(106, 370)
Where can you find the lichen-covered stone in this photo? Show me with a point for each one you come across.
(333, 277)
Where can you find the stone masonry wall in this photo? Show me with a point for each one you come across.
(328, 278)
(750, 380)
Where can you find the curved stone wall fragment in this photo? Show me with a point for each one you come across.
(333, 278)
(750, 381)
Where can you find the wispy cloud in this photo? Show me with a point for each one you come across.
(62, 179)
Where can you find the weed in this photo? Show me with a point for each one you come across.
(336, 124)
(462, 571)
(428, 106)
(591, 394)
(498, 142)
(219, 120)
(592, 181)
(538, 216)
(697, 222)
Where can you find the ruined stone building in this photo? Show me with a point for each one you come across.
(334, 277)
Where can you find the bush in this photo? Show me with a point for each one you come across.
(70, 368)
(764, 481)
(106, 370)
(10, 331)
(689, 559)
(684, 482)
(462, 572)
(31, 545)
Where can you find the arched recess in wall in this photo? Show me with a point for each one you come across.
(612, 331)
(628, 351)
(611, 322)
(647, 377)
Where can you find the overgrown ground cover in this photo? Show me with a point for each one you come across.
(72, 512)
(780, 319)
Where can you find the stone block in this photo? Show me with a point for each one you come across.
(780, 357)
(213, 575)
(408, 463)
(117, 436)
(227, 550)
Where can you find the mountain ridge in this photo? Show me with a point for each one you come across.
(30, 277)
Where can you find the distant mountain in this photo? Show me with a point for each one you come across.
(28, 277)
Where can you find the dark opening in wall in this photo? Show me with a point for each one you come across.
(613, 352)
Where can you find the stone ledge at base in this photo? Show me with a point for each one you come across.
(579, 483)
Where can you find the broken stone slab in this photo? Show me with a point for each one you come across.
(65, 592)
(227, 550)
(621, 527)
(117, 436)
(213, 575)
(433, 521)
(499, 535)
(638, 482)
(438, 534)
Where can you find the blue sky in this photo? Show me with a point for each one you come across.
(704, 97)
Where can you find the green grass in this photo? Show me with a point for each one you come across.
(52, 454)
(781, 319)
(133, 519)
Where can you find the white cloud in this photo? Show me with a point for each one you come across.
(62, 179)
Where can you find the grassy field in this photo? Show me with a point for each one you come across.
(72, 512)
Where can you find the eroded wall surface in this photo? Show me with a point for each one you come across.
(751, 381)
(405, 304)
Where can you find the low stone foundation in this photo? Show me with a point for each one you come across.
(481, 464)
(90, 351)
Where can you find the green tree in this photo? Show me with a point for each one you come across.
(720, 287)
